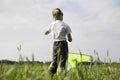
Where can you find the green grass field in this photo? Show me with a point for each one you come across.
(31, 70)
(36, 71)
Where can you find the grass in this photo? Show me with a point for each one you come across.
(32, 70)
(36, 71)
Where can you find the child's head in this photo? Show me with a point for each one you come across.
(57, 14)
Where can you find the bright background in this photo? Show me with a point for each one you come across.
(95, 25)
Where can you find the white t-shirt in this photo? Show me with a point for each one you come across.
(59, 30)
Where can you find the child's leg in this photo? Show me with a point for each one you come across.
(63, 55)
(63, 59)
(54, 66)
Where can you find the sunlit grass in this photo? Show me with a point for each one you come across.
(31, 70)
(36, 71)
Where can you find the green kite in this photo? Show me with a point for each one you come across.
(73, 60)
(76, 58)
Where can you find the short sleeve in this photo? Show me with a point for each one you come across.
(49, 27)
(68, 30)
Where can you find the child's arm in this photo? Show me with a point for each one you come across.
(69, 37)
(46, 32)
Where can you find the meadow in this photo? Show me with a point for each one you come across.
(26, 69)
(39, 71)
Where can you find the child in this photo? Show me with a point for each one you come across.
(61, 32)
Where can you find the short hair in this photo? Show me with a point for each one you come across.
(57, 12)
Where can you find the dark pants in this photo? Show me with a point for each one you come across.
(60, 55)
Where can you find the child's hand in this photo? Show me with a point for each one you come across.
(46, 32)
(69, 37)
